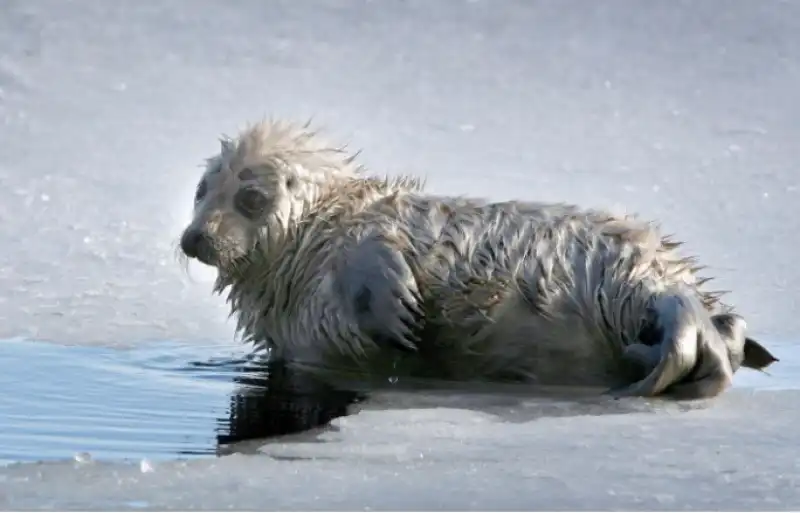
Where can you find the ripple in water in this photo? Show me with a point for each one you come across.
(154, 402)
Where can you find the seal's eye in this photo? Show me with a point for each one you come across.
(250, 202)
(202, 189)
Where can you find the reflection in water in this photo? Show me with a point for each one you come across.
(272, 400)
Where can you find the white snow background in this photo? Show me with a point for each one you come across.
(686, 112)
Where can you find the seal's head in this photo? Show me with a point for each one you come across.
(258, 184)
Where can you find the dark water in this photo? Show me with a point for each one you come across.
(166, 400)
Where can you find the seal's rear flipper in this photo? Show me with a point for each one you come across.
(705, 388)
(756, 356)
(641, 359)
(691, 358)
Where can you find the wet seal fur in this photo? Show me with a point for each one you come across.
(337, 271)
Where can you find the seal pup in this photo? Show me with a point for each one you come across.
(336, 270)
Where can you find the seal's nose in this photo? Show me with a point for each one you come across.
(194, 242)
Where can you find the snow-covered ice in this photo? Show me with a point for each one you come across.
(682, 111)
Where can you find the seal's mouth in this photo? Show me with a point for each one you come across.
(197, 245)
(212, 251)
(228, 261)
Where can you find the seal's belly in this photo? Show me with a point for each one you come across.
(555, 353)
(512, 342)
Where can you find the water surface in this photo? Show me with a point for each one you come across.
(156, 401)
(168, 400)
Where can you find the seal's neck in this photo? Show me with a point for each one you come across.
(311, 192)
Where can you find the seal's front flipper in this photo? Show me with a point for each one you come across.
(376, 284)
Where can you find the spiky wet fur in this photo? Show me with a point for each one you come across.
(358, 273)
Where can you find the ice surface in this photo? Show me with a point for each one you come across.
(682, 111)
(739, 454)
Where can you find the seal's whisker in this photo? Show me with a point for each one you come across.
(181, 258)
